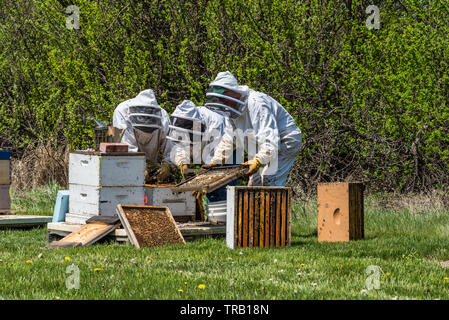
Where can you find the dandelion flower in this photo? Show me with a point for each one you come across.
(28, 261)
(388, 274)
(446, 278)
(180, 290)
(302, 265)
(201, 286)
(185, 282)
(67, 258)
(97, 269)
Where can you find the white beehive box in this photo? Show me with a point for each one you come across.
(102, 200)
(5, 172)
(107, 170)
(99, 182)
(180, 204)
(5, 201)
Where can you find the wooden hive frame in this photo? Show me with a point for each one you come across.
(135, 232)
(258, 217)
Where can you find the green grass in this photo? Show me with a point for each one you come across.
(405, 247)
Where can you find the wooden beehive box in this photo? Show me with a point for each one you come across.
(5, 201)
(149, 226)
(340, 211)
(258, 217)
(5, 172)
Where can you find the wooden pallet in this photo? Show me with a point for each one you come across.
(23, 221)
(189, 231)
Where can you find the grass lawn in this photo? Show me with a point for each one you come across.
(404, 246)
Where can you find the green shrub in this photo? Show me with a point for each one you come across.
(372, 104)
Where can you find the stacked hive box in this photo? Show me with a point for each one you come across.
(98, 182)
(5, 180)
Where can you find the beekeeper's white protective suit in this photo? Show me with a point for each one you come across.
(144, 122)
(193, 143)
(272, 135)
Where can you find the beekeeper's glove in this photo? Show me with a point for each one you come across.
(254, 166)
(164, 171)
(182, 167)
(210, 165)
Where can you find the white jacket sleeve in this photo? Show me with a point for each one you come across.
(267, 133)
(224, 150)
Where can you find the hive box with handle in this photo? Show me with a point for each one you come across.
(98, 182)
(340, 211)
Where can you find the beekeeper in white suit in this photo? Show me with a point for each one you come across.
(194, 134)
(273, 138)
(145, 126)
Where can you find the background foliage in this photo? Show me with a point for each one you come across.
(372, 104)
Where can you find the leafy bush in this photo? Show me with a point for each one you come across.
(372, 104)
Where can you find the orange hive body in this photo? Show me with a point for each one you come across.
(340, 211)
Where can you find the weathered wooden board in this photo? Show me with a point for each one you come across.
(149, 226)
(94, 230)
(19, 221)
(188, 230)
(107, 147)
(258, 217)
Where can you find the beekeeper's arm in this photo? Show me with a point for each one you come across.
(267, 133)
(225, 148)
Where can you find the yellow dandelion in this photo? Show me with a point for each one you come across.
(201, 286)
(302, 265)
(446, 278)
(387, 274)
(185, 282)
(28, 261)
(67, 258)
(97, 269)
(180, 290)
